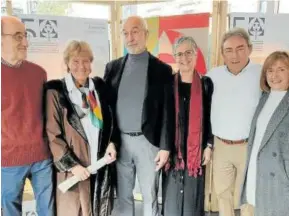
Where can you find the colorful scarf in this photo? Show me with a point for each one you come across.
(89, 101)
(95, 115)
(194, 139)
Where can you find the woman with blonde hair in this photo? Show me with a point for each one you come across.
(79, 125)
(266, 180)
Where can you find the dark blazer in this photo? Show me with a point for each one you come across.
(69, 145)
(157, 113)
(272, 173)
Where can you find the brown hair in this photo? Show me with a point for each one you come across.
(270, 60)
(236, 32)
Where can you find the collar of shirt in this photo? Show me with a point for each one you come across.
(71, 85)
(17, 65)
(75, 94)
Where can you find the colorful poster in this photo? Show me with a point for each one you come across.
(163, 31)
(48, 36)
(153, 26)
(268, 32)
(171, 28)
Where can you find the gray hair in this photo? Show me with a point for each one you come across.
(143, 22)
(236, 32)
(183, 39)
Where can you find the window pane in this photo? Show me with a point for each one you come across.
(18, 7)
(56, 8)
(43, 7)
(283, 6)
(242, 6)
(263, 6)
(175, 7)
(60, 8)
(89, 11)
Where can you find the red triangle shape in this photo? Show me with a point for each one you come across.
(173, 35)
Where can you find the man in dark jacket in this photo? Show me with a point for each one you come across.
(143, 101)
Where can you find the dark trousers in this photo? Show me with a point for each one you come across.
(184, 195)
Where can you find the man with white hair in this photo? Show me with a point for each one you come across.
(143, 101)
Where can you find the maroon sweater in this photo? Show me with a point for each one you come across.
(21, 115)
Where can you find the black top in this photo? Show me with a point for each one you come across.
(184, 108)
(185, 95)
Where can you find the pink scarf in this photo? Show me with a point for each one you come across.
(194, 139)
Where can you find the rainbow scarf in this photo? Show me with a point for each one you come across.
(95, 115)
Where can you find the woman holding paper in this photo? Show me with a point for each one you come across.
(79, 126)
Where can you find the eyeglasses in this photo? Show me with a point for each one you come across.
(188, 53)
(134, 32)
(18, 36)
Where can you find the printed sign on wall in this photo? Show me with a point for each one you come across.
(48, 36)
(268, 32)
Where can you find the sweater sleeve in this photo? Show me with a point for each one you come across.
(64, 158)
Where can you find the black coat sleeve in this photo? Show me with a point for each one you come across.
(167, 130)
(111, 98)
(209, 89)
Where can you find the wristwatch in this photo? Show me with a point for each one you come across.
(210, 146)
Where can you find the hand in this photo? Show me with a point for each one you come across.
(111, 152)
(81, 172)
(161, 159)
(207, 155)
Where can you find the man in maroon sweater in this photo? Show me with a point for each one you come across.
(25, 153)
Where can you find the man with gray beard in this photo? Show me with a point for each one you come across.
(143, 102)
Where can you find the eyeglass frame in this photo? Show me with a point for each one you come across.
(187, 53)
(23, 35)
(135, 31)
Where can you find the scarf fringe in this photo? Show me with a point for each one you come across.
(195, 131)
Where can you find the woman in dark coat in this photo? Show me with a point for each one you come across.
(184, 179)
(79, 125)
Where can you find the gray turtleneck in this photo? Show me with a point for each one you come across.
(131, 92)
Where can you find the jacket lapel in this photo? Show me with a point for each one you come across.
(117, 78)
(259, 108)
(150, 78)
(72, 116)
(255, 118)
(276, 118)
